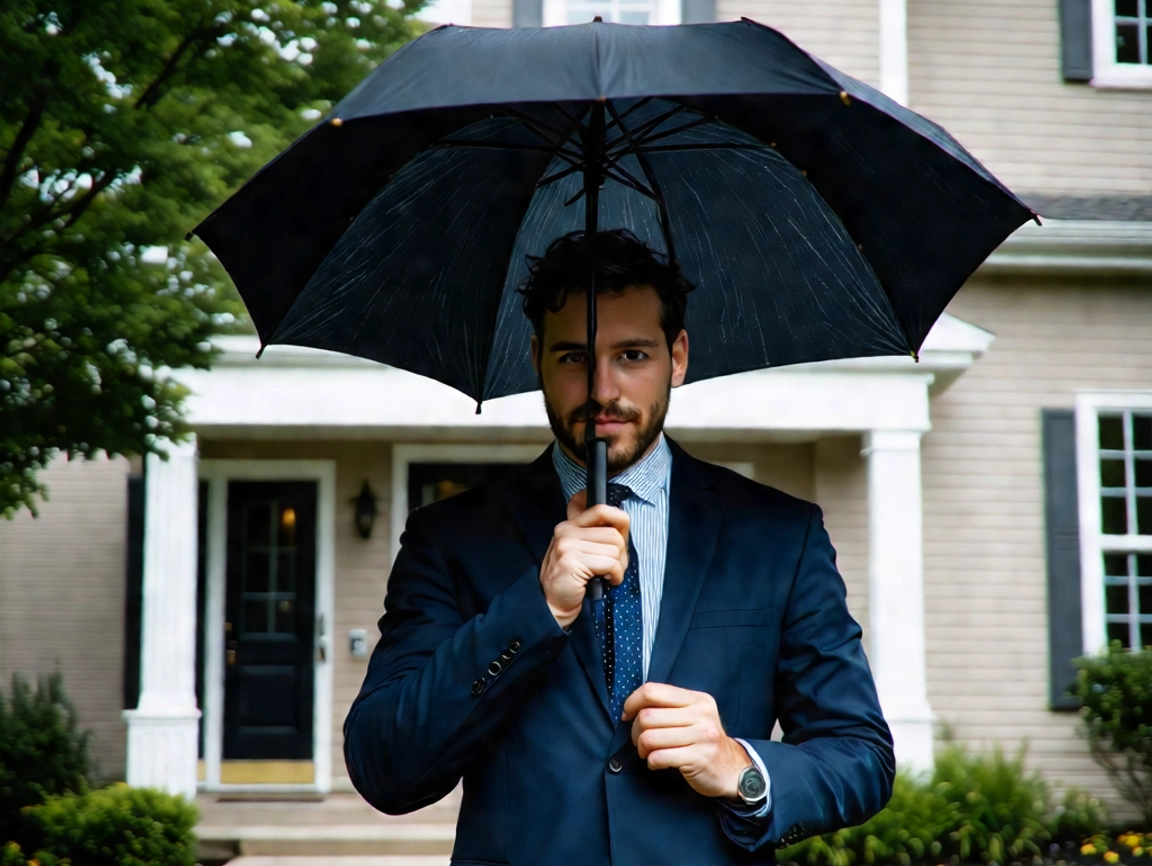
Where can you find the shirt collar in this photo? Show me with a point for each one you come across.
(647, 479)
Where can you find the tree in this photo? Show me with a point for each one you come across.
(122, 123)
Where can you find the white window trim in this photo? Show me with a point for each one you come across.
(556, 12)
(1106, 72)
(1093, 543)
(218, 472)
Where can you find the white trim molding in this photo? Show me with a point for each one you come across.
(893, 49)
(555, 12)
(218, 472)
(1093, 542)
(1106, 72)
(1097, 247)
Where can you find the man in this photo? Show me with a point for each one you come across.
(635, 729)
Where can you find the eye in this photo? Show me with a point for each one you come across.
(571, 358)
(634, 355)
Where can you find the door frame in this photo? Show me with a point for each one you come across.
(218, 472)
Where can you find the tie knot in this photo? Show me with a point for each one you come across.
(617, 493)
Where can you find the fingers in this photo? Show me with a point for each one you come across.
(602, 515)
(687, 759)
(577, 504)
(655, 739)
(650, 718)
(660, 695)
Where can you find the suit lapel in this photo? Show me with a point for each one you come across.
(695, 515)
(537, 505)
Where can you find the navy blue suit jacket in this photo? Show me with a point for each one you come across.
(753, 613)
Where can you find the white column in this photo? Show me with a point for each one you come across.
(896, 591)
(163, 730)
(894, 49)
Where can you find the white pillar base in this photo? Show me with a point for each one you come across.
(162, 749)
(914, 740)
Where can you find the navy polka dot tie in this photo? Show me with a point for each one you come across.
(620, 624)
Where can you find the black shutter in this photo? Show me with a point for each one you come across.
(527, 13)
(697, 11)
(1063, 529)
(133, 590)
(1075, 39)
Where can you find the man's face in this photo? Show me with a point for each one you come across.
(635, 370)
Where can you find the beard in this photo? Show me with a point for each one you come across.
(621, 455)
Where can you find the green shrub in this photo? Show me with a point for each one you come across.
(1115, 690)
(117, 826)
(983, 809)
(42, 753)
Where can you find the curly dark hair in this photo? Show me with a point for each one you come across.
(619, 260)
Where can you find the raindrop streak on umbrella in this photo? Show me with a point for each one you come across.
(818, 218)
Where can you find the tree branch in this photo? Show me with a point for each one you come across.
(27, 129)
(152, 94)
(74, 211)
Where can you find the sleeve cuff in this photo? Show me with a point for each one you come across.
(764, 808)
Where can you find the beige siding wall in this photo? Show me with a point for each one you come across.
(842, 493)
(845, 33)
(492, 13)
(989, 71)
(984, 506)
(62, 596)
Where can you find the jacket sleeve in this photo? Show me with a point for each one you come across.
(835, 766)
(437, 685)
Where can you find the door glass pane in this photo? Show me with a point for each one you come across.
(1127, 8)
(1114, 515)
(1111, 473)
(257, 571)
(256, 616)
(285, 616)
(287, 527)
(1127, 43)
(257, 524)
(1143, 466)
(1144, 565)
(1142, 424)
(1111, 433)
(1116, 598)
(286, 571)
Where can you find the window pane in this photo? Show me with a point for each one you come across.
(1144, 565)
(1111, 473)
(1116, 564)
(285, 616)
(633, 17)
(1114, 515)
(1144, 515)
(1127, 43)
(1116, 598)
(1144, 599)
(1127, 7)
(1142, 424)
(286, 571)
(257, 524)
(1119, 631)
(1111, 433)
(1143, 466)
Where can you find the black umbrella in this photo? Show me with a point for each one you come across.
(818, 218)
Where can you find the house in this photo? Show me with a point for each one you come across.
(991, 505)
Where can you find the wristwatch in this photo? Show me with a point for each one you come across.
(752, 787)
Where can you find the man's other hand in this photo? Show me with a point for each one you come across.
(592, 542)
(675, 727)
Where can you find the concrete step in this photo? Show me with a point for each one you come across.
(427, 839)
(339, 861)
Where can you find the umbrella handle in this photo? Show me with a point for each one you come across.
(596, 459)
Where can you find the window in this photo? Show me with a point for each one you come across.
(1114, 444)
(1122, 43)
(613, 11)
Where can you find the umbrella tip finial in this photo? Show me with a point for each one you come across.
(597, 20)
(845, 98)
(479, 403)
(1036, 218)
(263, 346)
(337, 121)
(188, 235)
(915, 356)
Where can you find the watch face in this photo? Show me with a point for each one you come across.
(752, 787)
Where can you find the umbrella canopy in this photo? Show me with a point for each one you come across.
(817, 218)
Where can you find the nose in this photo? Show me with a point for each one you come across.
(605, 389)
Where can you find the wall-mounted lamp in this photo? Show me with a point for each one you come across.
(365, 511)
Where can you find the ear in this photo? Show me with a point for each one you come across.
(534, 347)
(679, 358)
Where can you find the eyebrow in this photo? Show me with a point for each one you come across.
(633, 343)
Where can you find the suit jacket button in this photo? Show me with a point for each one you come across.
(614, 765)
(514, 647)
(495, 667)
(478, 686)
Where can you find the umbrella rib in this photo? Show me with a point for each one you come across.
(560, 175)
(657, 194)
(616, 118)
(672, 148)
(628, 179)
(648, 125)
(642, 141)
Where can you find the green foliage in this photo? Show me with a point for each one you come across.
(117, 826)
(975, 809)
(1115, 690)
(122, 123)
(42, 753)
